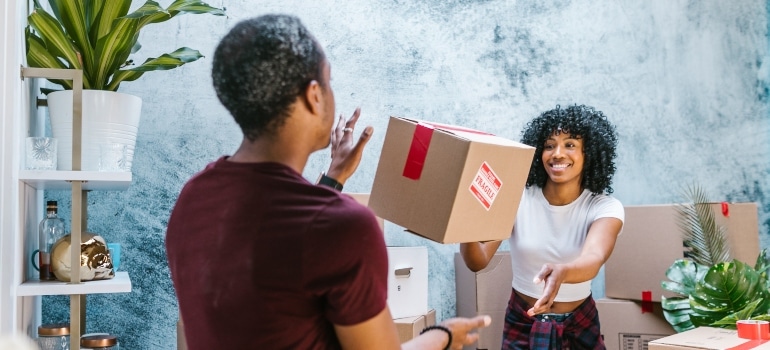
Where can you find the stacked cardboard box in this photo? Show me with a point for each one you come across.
(651, 241)
(626, 325)
(485, 292)
(410, 327)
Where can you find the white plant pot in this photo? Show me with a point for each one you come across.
(109, 118)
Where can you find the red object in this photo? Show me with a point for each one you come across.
(646, 301)
(751, 329)
(749, 345)
(725, 209)
(418, 151)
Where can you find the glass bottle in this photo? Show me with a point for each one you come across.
(50, 230)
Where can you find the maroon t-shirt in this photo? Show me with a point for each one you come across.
(262, 259)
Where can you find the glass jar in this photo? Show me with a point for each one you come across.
(99, 341)
(54, 336)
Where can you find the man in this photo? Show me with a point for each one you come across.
(261, 258)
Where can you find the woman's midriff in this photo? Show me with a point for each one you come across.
(558, 307)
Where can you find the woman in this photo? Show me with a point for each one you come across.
(565, 230)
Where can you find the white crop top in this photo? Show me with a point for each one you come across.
(544, 233)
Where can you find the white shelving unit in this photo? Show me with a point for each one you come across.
(62, 180)
(119, 284)
(79, 183)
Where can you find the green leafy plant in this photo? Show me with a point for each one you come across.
(98, 36)
(714, 290)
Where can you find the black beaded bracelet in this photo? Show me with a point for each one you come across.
(446, 330)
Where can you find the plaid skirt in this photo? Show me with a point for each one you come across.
(576, 330)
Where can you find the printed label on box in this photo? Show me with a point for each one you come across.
(486, 185)
(635, 341)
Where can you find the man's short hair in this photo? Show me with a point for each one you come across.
(260, 68)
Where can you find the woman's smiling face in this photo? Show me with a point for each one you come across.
(563, 158)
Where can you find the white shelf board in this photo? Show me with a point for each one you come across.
(62, 180)
(121, 283)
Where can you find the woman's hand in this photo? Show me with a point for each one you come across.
(553, 276)
(346, 155)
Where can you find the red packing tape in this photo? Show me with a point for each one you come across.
(753, 329)
(418, 151)
(646, 301)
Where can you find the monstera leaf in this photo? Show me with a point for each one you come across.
(684, 276)
(677, 312)
(763, 265)
(727, 289)
(745, 314)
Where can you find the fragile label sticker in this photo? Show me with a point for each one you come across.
(486, 185)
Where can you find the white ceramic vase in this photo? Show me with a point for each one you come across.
(109, 119)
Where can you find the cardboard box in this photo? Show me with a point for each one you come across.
(363, 198)
(626, 327)
(485, 292)
(407, 281)
(410, 327)
(708, 338)
(447, 183)
(651, 241)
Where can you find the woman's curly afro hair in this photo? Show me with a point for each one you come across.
(599, 143)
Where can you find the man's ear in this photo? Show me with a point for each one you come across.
(313, 97)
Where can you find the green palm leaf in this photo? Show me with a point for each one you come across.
(164, 62)
(150, 12)
(107, 12)
(706, 239)
(113, 50)
(55, 40)
(38, 56)
(193, 6)
(72, 16)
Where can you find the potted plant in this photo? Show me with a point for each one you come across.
(98, 36)
(714, 289)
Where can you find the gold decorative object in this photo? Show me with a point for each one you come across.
(95, 260)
